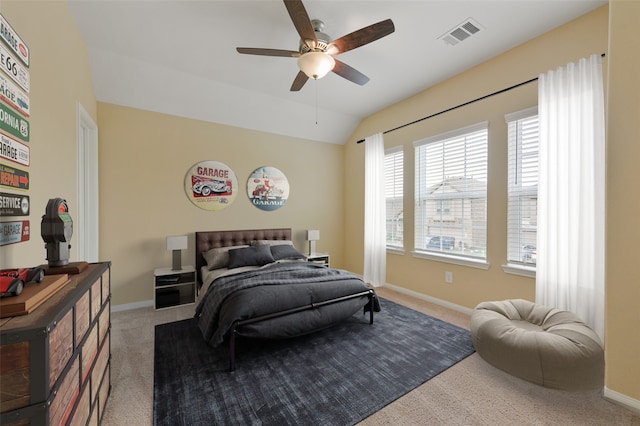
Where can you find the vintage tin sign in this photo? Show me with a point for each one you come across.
(211, 185)
(13, 40)
(13, 124)
(13, 178)
(14, 232)
(13, 150)
(14, 69)
(14, 204)
(16, 98)
(268, 188)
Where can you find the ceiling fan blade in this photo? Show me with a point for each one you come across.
(268, 52)
(363, 36)
(299, 81)
(351, 74)
(301, 20)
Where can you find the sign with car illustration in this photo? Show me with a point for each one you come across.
(268, 188)
(211, 185)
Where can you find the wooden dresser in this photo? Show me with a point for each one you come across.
(54, 361)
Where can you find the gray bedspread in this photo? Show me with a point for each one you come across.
(275, 288)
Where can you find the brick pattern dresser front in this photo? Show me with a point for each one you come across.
(55, 361)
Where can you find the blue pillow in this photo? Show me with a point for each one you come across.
(250, 256)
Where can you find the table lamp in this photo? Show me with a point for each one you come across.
(176, 244)
(313, 235)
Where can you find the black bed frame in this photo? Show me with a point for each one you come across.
(234, 328)
(213, 239)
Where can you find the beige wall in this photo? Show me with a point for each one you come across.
(623, 205)
(144, 157)
(60, 78)
(577, 39)
(580, 38)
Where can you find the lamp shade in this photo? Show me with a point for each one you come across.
(316, 64)
(313, 235)
(177, 242)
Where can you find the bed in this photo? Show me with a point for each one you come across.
(255, 284)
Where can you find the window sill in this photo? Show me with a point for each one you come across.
(515, 269)
(395, 250)
(456, 260)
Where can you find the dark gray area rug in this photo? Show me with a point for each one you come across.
(337, 376)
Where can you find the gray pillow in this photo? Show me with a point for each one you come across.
(219, 257)
(280, 252)
(271, 242)
(251, 256)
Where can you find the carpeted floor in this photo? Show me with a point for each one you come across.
(472, 392)
(337, 376)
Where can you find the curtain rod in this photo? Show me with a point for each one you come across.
(461, 105)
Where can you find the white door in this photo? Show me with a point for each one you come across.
(86, 227)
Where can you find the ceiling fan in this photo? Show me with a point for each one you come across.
(316, 52)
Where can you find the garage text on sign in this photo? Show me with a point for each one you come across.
(13, 150)
(13, 40)
(14, 232)
(208, 171)
(11, 94)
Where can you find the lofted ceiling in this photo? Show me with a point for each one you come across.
(179, 56)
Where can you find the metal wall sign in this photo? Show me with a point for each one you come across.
(14, 69)
(11, 177)
(13, 150)
(14, 232)
(13, 124)
(14, 204)
(211, 185)
(13, 40)
(268, 188)
(16, 98)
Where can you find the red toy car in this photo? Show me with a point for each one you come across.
(12, 281)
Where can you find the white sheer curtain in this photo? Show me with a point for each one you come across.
(375, 240)
(571, 193)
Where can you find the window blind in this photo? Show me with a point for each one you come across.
(394, 195)
(522, 187)
(451, 193)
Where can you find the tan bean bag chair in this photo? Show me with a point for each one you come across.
(546, 346)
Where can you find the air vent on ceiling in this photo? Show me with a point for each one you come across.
(461, 32)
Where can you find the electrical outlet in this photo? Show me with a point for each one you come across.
(448, 277)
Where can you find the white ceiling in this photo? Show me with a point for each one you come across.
(178, 56)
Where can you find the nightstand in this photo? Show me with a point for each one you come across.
(174, 288)
(322, 258)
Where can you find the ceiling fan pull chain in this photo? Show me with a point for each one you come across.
(316, 84)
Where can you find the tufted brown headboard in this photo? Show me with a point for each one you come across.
(207, 240)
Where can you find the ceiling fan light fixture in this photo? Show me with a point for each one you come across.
(316, 64)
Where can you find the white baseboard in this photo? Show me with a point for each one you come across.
(130, 306)
(430, 299)
(622, 399)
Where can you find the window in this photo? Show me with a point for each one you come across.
(451, 194)
(523, 187)
(394, 195)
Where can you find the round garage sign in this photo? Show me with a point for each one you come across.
(211, 185)
(268, 188)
